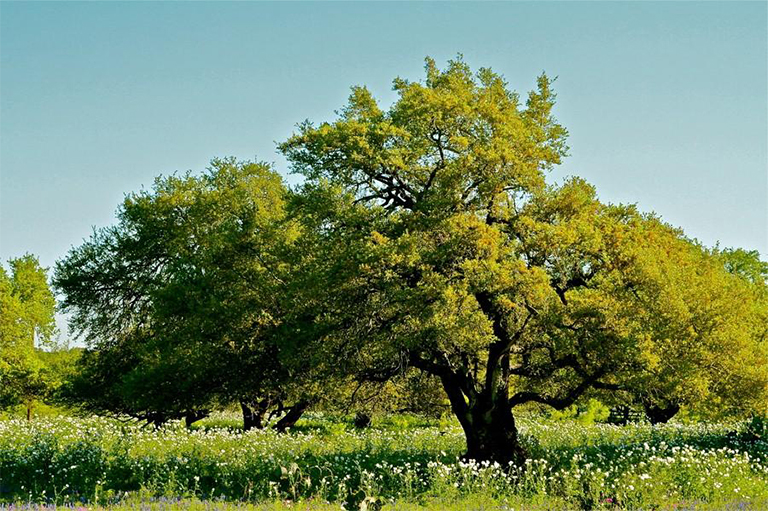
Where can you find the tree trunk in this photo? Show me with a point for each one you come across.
(362, 420)
(492, 436)
(156, 419)
(293, 415)
(488, 423)
(252, 417)
(194, 416)
(660, 414)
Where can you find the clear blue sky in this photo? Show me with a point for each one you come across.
(666, 102)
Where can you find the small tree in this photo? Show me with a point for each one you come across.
(26, 318)
(440, 246)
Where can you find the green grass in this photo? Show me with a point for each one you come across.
(400, 463)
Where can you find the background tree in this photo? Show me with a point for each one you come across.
(444, 249)
(746, 264)
(181, 302)
(733, 313)
(27, 309)
(720, 324)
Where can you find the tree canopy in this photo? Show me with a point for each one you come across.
(425, 236)
(181, 300)
(27, 308)
(452, 254)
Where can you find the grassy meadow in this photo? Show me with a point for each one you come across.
(401, 462)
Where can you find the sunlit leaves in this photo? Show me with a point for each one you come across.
(447, 241)
(178, 300)
(27, 308)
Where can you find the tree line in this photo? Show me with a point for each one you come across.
(424, 245)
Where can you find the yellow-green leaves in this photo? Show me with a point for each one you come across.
(450, 143)
(450, 246)
(27, 308)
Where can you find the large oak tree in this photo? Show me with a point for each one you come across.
(438, 244)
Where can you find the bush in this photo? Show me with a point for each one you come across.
(587, 413)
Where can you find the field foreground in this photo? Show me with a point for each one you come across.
(401, 463)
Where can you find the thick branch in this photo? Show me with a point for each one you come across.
(455, 385)
(578, 280)
(560, 403)
(504, 341)
(435, 137)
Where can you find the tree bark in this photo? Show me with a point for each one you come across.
(660, 414)
(293, 415)
(156, 419)
(492, 436)
(253, 418)
(487, 421)
(362, 420)
(194, 416)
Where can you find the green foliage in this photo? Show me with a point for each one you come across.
(587, 413)
(424, 237)
(439, 245)
(412, 392)
(747, 264)
(26, 318)
(60, 366)
(181, 302)
(755, 429)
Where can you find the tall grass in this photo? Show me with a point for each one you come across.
(402, 462)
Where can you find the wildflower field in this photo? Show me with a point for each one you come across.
(399, 463)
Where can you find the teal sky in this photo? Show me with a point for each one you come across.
(666, 102)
